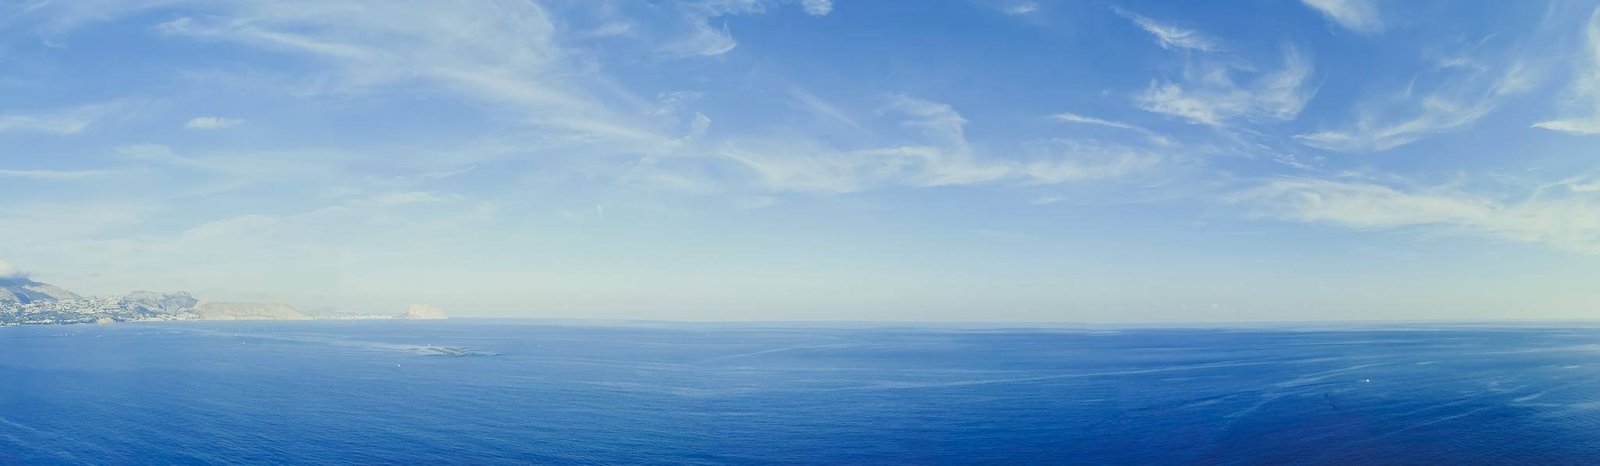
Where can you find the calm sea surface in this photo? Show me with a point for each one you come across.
(517, 392)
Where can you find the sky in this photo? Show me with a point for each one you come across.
(1006, 160)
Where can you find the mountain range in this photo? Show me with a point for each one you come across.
(20, 290)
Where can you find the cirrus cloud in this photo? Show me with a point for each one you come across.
(212, 122)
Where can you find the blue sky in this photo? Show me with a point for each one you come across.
(769, 160)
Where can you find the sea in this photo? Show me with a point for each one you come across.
(486, 392)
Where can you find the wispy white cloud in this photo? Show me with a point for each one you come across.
(1076, 118)
(1569, 222)
(213, 122)
(789, 167)
(1068, 117)
(1021, 8)
(1172, 37)
(1589, 187)
(1584, 95)
(52, 174)
(41, 124)
(817, 7)
(52, 19)
(937, 120)
(1454, 103)
(823, 108)
(65, 121)
(612, 29)
(705, 39)
(1079, 162)
(670, 103)
(361, 42)
(945, 158)
(1210, 95)
(362, 47)
(1356, 15)
(1047, 200)
(802, 165)
(1590, 125)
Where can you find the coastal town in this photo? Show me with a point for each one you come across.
(87, 310)
(26, 302)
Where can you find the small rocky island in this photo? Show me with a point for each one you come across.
(27, 302)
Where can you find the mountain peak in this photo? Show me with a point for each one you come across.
(21, 290)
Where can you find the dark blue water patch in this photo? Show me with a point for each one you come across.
(516, 392)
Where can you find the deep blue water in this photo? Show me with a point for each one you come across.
(550, 393)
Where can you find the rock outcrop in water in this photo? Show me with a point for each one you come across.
(23, 301)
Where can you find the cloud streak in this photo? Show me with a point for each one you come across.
(367, 48)
(1172, 37)
(1021, 8)
(1360, 16)
(944, 158)
(61, 122)
(212, 122)
(1067, 117)
(705, 39)
(1455, 103)
(52, 174)
(1568, 222)
(1210, 95)
(817, 7)
(1584, 100)
(1076, 118)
